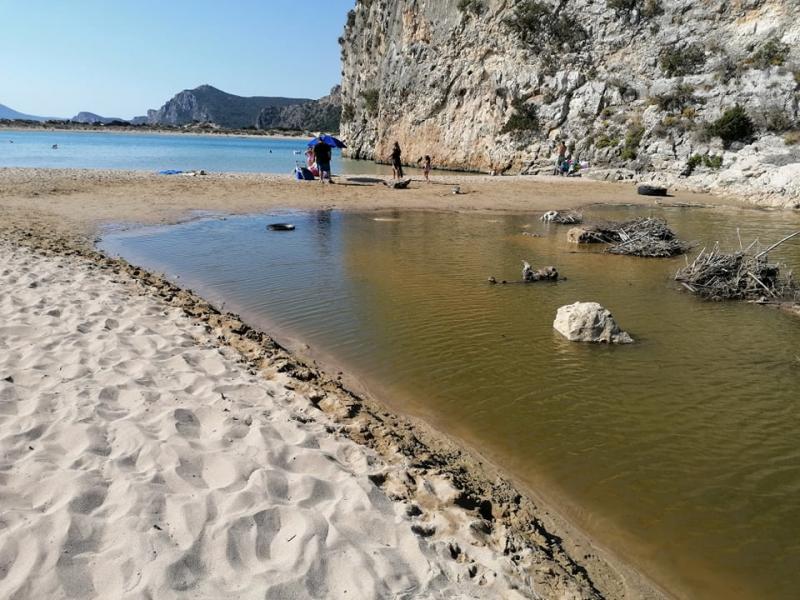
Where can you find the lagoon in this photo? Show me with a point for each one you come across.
(681, 452)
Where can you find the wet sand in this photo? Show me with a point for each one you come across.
(474, 527)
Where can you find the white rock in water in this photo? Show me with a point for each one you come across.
(589, 322)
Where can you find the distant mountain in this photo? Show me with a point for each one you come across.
(10, 113)
(317, 115)
(89, 117)
(207, 104)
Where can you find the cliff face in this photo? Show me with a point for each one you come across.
(209, 105)
(318, 115)
(633, 86)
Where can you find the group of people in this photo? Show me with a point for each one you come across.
(566, 164)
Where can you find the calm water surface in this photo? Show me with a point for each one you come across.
(156, 152)
(681, 451)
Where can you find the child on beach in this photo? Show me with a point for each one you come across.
(426, 168)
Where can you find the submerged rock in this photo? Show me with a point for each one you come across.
(589, 322)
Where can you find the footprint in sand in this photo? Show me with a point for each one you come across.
(186, 423)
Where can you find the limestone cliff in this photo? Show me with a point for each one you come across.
(640, 88)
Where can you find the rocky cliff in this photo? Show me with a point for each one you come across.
(317, 115)
(207, 104)
(704, 91)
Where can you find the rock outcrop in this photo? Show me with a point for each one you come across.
(91, 118)
(703, 92)
(589, 322)
(317, 115)
(207, 104)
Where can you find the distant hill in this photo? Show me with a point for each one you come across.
(10, 113)
(207, 104)
(89, 117)
(317, 115)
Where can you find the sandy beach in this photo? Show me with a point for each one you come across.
(152, 445)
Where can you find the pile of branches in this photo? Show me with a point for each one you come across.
(744, 275)
(645, 236)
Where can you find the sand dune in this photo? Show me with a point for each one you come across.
(140, 460)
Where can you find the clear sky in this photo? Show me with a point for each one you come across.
(118, 58)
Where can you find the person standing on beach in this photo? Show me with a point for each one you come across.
(426, 168)
(562, 156)
(397, 164)
(322, 154)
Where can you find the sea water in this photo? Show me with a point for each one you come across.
(157, 152)
(680, 451)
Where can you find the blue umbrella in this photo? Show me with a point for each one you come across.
(327, 139)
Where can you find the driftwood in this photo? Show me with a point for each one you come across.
(744, 275)
(529, 275)
(644, 236)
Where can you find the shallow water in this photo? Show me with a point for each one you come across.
(156, 152)
(681, 451)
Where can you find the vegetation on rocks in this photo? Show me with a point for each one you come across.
(647, 8)
(372, 97)
(733, 126)
(525, 117)
(677, 100)
(707, 160)
(771, 53)
(682, 61)
(632, 140)
(538, 24)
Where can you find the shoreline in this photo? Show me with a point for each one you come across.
(133, 130)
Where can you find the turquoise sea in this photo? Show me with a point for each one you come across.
(156, 152)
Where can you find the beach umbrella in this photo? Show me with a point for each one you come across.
(327, 139)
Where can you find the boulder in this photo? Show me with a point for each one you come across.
(589, 322)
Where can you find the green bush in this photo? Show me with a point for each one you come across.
(776, 119)
(537, 24)
(372, 99)
(712, 161)
(733, 126)
(682, 61)
(676, 100)
(708, 160)
(604, 141)
(525, 117)
(632, 140)
(771, 53)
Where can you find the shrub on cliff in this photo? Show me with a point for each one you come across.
(733, 126)
(676, 100)
(538, 24)
(771, 53)
(525, 117)
(632, 140)
(372, 98)
(682, 61)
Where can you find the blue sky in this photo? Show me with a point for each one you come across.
(120, 57)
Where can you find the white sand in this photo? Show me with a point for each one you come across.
(139, 460)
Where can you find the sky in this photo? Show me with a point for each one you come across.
(117, 58)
